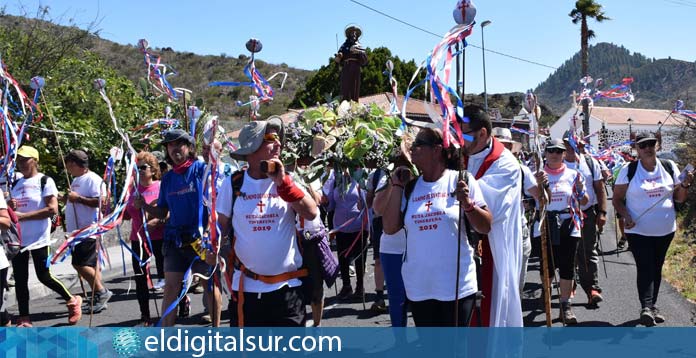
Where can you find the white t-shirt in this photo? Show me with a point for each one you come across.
(264, 227)
(4, 263)
(561, 186)
(644, 190)
(393, 244)
(30, 198)
(431, 223)
(88, 185)
(589, 178)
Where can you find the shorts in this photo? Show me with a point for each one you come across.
(283, 307)
(85, 253)
(377, 229)
(178, 259)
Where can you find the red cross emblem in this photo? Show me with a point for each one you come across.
(261, 206)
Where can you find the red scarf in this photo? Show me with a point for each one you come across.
(496, 150)
(183, 167)
(555, 171)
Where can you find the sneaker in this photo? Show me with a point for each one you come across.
(647, 318)
(567, 316)
(24, 321)
(379, 306)
(185, 307)
(623, 243)
(100, 301)
(206, 319)
(159, 285)
(74, 310)
(345, 293)
(351, 270)
(594, 297)
(659, 318)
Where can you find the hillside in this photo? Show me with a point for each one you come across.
(657, 82)
(194, 71)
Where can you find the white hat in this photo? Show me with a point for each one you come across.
(503, 135)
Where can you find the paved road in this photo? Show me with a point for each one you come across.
(620, 308)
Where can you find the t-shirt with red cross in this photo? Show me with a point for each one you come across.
(264, 228)
(431, 222)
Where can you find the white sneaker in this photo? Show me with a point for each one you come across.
(159, 285)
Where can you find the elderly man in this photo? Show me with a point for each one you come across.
(261, 218)
(498, 174)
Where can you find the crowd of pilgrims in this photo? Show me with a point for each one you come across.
(451, 230)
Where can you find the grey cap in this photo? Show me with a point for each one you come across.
(176, 134)
(251, 136)
(645, 137)
(159, 156)
(555, 143)
(77, 156)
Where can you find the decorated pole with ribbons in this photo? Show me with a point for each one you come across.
(263, 92)
(534, 110)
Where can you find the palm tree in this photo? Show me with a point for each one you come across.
(583, 10)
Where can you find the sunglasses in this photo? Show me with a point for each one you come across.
(271, 137)
(555, 150)
(144, 167)
(647, 144)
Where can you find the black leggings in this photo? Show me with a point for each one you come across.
(564, 254)
(343, 242)
(4, 316)
(20, 265)
(434, 313)
(649, 253)
(142, 291)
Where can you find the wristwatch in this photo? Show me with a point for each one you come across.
(602, 212)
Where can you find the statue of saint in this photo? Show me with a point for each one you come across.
(352, 57)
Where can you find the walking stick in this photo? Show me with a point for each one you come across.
(599, 240)
(546, 284)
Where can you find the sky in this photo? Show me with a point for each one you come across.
(306, 33)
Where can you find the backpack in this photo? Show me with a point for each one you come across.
(56, 220)
(12, 237)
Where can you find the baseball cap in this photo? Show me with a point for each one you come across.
(176, 134)
(77, 155)
(28, 152)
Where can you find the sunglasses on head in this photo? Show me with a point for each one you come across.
(644, 145)
(555, 150)
(144, 167)
(271, 137)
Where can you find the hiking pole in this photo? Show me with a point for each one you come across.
(604, 262)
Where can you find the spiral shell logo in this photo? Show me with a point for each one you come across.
(126, 342)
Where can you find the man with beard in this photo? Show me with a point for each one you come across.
(498, 173)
